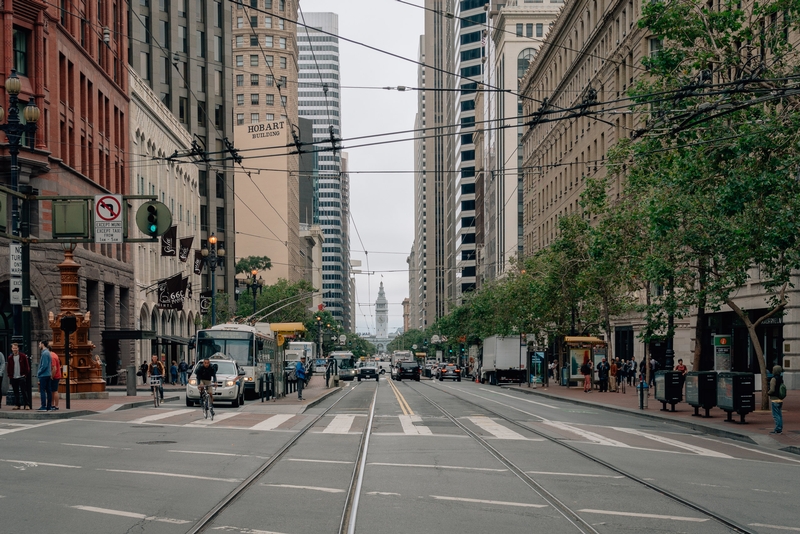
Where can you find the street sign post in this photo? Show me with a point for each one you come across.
(15, 286)
(108, 223)
(15, 250)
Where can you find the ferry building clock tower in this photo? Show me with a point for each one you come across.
(382, 315)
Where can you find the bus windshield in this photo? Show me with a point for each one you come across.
(345, 363)
(235, 345)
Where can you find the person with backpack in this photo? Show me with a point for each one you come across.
(777, 392)
(183, 368)
(586, 371)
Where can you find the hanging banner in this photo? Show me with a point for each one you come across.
(205, 302)
(170, 296)
(168, 241)
(199, 261)
(186, 246)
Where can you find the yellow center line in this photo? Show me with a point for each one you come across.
(400, 399)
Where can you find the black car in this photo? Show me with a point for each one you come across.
(408, 370)
(368, 371)
(451, 371)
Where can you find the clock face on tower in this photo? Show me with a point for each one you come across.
(381, 319)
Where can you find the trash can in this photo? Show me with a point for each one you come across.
(564, 376)
(701, 391)
(668, 389)
(643, 390)
(736, 393)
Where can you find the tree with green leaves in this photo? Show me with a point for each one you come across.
(250, 263)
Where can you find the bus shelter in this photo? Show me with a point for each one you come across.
(581, 349)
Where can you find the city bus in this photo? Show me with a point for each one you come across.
(345, 364)
(253, 347)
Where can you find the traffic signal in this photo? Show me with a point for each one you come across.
(153, 218)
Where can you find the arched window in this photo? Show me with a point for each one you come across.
(523, 60)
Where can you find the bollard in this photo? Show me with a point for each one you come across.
(644, 392)
(130, 381)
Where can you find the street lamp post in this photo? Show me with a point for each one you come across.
(212, 255)
(255, 286)
(20, 226)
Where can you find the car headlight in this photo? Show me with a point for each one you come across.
(249, 379)
(192, 382)
(229, 383)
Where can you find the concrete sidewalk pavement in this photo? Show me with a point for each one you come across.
(118, 399)
(757, 428)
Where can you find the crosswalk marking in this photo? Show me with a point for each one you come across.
(273, 422)
(133, 515)
(340, 425)
(217, 418)
(407, 422)
(702, 451)
(163, 415)
(483, 501)
(494, 428)
(591, 436)
(649, 516)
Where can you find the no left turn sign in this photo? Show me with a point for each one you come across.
(108, 219)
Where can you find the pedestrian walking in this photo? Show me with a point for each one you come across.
(653, 369)
(622, 375)
(613, 374)
(631, 371)
(19, 372)
(143, 372)
(2, 374)
(586, 371)
(173, 372)
(183, 367)
(43, 374)
(602, 375)
(300, 373)
(777, 392)
(55, 377)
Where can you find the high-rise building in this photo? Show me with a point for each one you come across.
(434, 166)
(182, 50)
(319, 100)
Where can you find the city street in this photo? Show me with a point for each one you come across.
(440, 457)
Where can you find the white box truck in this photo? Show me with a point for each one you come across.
(504, 361)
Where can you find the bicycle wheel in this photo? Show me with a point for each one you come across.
(155, 395)
(205, 406)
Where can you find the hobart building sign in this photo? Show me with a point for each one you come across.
(266, 129)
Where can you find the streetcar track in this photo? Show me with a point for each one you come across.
(673, 496)
(204, 522)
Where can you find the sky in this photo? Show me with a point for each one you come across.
(382, 224)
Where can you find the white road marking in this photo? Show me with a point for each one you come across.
(130, 514)
(776, 527)
(319, 461)
(403, 434)
(245, 530)
(340, 425)
(217, 418)
(386, 493)
(591, 436)
(482, 501)
(649, 516)
(175, 475)
(498, 402)
(112, 408)
(702, 451)
(314, 488)
(84, 445)
(751, 450)
(213, 453)
(519, 399)
(273, 422)
(427, 466)
(572, 474)
(407, 422)
(496, 429)
(28, 463)
(157, 416)
(29, 427)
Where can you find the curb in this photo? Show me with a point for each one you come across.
(320, 398)
(686, 424)
(69, 414)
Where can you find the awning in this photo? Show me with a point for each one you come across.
(108, 335)
(287, 328)
(583, 339)
(173, 340)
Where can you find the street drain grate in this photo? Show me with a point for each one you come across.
(155, 442)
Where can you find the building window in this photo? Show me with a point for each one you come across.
(239, 119)
(240, 22)
(201, 113)
(270, 100)
(529, 30)
(254, 99)
(283, 81)
(217, 83)
(183, 43)
(239, 41)
(281, 5)
(283, 101)
(183, 109)
(220, 221)
(655, 46)
(240, 61)
(269, 117)
(540, 30)
(281, 24)
(254, 61)
(254, 79)
(270, 80)
(254, 3)
(283, 62)
(270, 60)
(218, 116)
(268, 41)
(218, 48)
(254, 40)
(201, 42)
(254, 21)
(240, 80)
(220, 186)
(519, 30)
(144, 64)
(268, 22)
(254, 118)
(282, 43)
(240, 100)
(267, 4)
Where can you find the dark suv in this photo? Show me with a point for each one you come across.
(408, 370)
(450, 371)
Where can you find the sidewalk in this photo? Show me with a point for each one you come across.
(118, 399)
(756, 430)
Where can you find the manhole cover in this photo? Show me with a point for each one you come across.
(155, 442)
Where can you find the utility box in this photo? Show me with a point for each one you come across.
(668, 389)
(701, 391)
(736, 393)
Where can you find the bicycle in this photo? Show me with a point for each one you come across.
(205, 405)
(155, 387)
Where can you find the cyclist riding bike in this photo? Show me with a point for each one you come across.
(206, 375)
(156, 369)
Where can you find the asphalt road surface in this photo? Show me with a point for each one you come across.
(389, 457)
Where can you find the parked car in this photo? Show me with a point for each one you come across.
(368, 371)
(410, 370)
(450, 371)
(229, 386)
